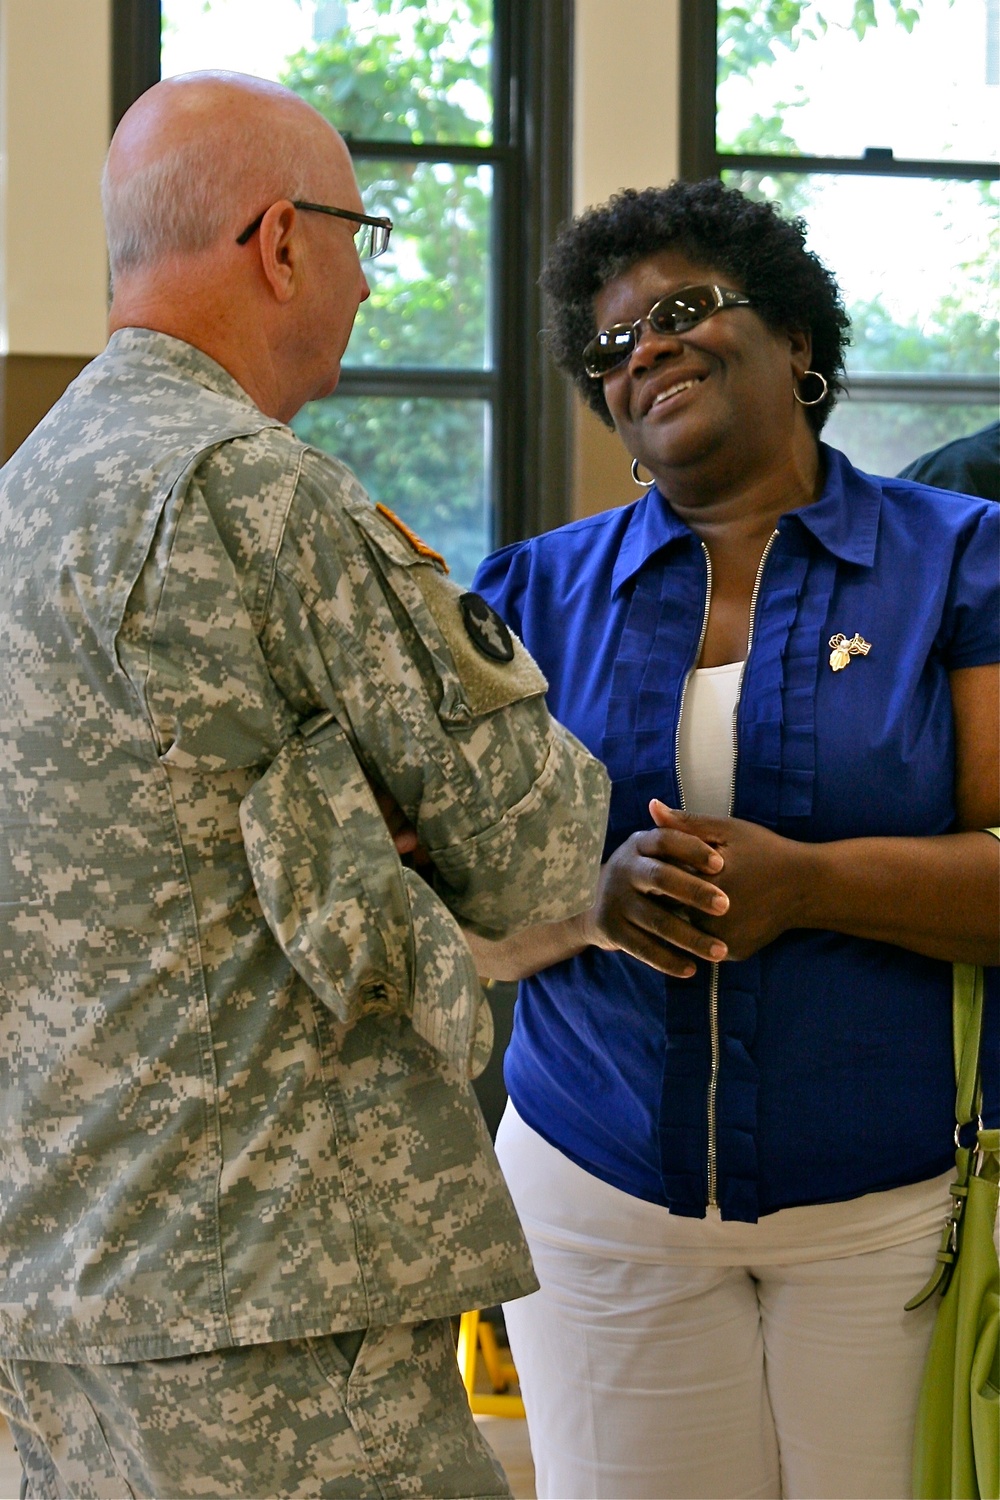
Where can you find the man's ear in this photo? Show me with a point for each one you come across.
(278, 243)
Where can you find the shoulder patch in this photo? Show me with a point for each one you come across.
(420, 547)
(487, 682)
(485, 629)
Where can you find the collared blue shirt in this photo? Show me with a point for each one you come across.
(835, 1073)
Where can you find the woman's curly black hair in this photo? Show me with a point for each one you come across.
(716, 227)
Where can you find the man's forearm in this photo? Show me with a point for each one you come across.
(530, 949)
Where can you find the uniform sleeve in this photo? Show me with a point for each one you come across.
(971, 624)
(510, 807)
(367, 935)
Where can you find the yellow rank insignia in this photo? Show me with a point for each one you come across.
(415, 542)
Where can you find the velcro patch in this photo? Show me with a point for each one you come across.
(487, 684)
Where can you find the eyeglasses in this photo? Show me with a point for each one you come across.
(371, 236)
(676, 313)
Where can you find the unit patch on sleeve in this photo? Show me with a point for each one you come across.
(485, 629)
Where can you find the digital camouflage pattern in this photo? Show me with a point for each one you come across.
(198, 1147)
(310, 1418)
(359, 930)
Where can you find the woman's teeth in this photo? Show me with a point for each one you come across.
(674, 390)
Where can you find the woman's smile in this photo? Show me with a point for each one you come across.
(669, 394)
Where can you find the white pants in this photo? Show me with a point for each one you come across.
(645, 1379)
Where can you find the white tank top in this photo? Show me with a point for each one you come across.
(706, 754)
(707, 743)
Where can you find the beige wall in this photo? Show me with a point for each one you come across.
(626, 96)
(55, 72)
(626, 134)
(54, 125)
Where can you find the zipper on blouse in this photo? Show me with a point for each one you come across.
(687, 677)
(713, 992)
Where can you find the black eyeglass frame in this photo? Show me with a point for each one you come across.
(662, 319)
(383, 224)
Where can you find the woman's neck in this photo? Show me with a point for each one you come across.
(729, 504)
(735, 522)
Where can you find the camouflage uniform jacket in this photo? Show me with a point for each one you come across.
(234, 1060)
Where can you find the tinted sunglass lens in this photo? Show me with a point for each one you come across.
(676, 314)
(609, 349)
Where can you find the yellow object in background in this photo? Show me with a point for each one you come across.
(475, 1337)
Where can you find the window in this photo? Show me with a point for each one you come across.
(874, 120)
(457, 116)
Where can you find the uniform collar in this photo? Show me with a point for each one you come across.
(146, 343)
(844, 520)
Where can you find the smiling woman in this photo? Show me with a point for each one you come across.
(789, 669)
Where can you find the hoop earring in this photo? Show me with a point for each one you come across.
(816, 399)
(644, 484)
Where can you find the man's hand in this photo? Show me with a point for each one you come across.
(649, 890)
(762, 875)
(404, 835)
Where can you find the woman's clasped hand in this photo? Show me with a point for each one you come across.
(655, 891)
(713, 887)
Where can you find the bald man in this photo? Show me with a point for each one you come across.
(244, 1184)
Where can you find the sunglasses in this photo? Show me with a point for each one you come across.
(676, 313)
(371, 236)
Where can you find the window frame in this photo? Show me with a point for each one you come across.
(700, 158)
(530, 462)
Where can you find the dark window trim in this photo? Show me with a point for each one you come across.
(135, 52)
(417, 380)
(426, 151)
(534, 436)
(699, 52)
(874, 163)
(699, 159)
(532, 159)
(966, 390)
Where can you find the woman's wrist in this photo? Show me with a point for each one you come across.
(809, 897)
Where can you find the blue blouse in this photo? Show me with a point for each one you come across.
(833, 1055)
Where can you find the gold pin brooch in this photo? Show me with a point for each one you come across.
(843, 649)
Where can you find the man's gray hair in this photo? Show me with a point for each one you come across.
(185, 198)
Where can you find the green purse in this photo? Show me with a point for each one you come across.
(957, 1441)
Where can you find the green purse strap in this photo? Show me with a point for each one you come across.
(966, 1028)
(966, 1025)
